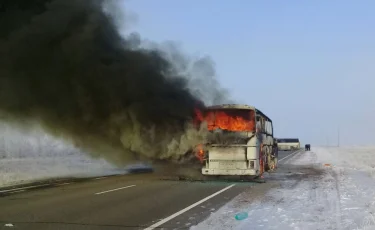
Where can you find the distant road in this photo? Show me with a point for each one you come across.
(140, 201)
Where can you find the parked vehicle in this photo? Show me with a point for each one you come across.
(287, 144)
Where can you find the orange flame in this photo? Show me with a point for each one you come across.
(231, 120)
(200, 153)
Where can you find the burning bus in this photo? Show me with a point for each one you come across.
(240, 143)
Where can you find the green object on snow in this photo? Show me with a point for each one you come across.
(241, 216)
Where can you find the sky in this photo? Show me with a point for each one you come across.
(306, 64)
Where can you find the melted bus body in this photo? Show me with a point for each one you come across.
(242, 141)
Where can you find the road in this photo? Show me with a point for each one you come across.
(140, 201)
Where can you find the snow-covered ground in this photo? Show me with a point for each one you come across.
(326, 188)
(31, 155)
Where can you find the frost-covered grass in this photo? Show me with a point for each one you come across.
(341, 196)
(30, 155)
(360, 158)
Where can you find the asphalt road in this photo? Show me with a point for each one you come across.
(140, 201)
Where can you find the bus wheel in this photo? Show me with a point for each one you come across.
(271, 163)
(267, 160)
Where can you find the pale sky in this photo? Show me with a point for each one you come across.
(307, 64)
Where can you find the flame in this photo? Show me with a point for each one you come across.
(200, 152)
(198, 117)
(231, 120)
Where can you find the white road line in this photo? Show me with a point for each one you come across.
(23, 188)
(99, 178)
(17, 191)
(115, 189)
(63, 184)
(289, 155)
(187, 208)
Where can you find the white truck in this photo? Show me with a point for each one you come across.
(287, 144)
(242, 143)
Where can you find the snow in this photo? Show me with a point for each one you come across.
(31, 155)
(326, 188)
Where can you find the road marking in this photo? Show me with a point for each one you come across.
(99, 178)
(289, 155)
(63, 184)
(187, 208)
(115, 189)
(17, 191)
(23, 188)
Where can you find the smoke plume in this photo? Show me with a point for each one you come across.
(64, 64)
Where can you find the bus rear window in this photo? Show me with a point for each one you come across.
(228, 119)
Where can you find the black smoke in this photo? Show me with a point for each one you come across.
(64, 64)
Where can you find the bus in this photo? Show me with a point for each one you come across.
(241, 143)
(287, 144)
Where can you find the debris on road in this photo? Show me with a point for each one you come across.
(241, 216)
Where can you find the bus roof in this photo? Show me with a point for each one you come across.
(231, 106)
(238, 106)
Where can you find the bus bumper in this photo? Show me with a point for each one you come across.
(229, 172)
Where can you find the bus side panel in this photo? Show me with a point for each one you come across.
(252, 153)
